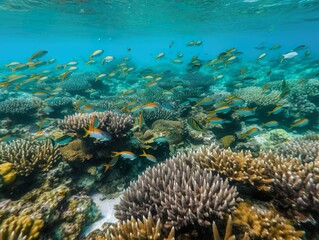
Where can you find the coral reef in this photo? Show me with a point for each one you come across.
(21, 227)
(179, 193)
(159, 113)
(133, 229)
(306, 148)
(240, 166)
(18, 106)
(26, 156)
(116, 124)
(173, 130)
(59, 102)
(74, 152)
(263, 223)
(78, 82)
(256, 97)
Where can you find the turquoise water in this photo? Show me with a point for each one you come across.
(209, 78)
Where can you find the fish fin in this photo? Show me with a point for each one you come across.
(116, 154)
(144, 153)
(86, 132)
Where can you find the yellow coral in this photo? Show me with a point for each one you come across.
(138, 230)
(264, 223)
(8, 173)
(21, 227)
(241, 167)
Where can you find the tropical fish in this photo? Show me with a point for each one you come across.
(276, 110)
(300, 123)
(62, 140)
(261, 56)
(102, 75)
(250, 133)
(150, 106)
(277, 46)
(219, 76)
(96, 133)
(97, 53)
(91, 61)
(191, 43)
(125, 154)
(12, 64)
(245, 112)
(217, 120)
(38, 55)
(271, 124)
(222, 109)
(194, 124)
(204, 102)
(108, 59)
(301, 47)
(160, 55)
(20, 67)
(149, 157)
(160, 140)
(288, 55)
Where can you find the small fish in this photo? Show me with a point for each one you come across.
(245, 112)
(222, 109)
(2, 139)
(198, 43)
(42, 95)
(261, 56)
(20, 67)
(301, 47)
(277, 46)
(140, 120)
(276, 110)
(150, 106)
(107, 59)
(191, 43)
(194, 124)
(219, 76)
(149, 157)
(125, 154)
(250, 78)
(300, 123)
(160, 55)
(12, 64)
(38, 55)
(96, 133)
(151, 84)
(204, 102)
(271, 124)
(97, 53)
(62, 140)
(288, 56)
(64, 75)
(178, 61)
(160, 140)
(91, 61)
(250, 133)
(217, 120)
(102, 75)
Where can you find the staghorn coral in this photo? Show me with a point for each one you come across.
(264, 223)
(116, 124)
(179, 193)
(133, 229)
(255, 96)
(18, 106)
(27, 156)
(241, 166)
(21, 227)
(306, 149)
(296, 185)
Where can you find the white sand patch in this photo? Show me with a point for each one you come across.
(106, 207)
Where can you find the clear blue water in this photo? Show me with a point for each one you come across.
(70, 30)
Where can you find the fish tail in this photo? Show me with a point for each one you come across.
(86, 132)
(144, 154)
(115, 154)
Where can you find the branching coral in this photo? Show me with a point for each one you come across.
(160, 113)
(116, 124)
(295, 184)
(255, 96)
(27, 156)
(241, 166)
(264, 223)
(180, 193)
(133, 229)
(18, 106)
(21, 227)
(306, 148)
